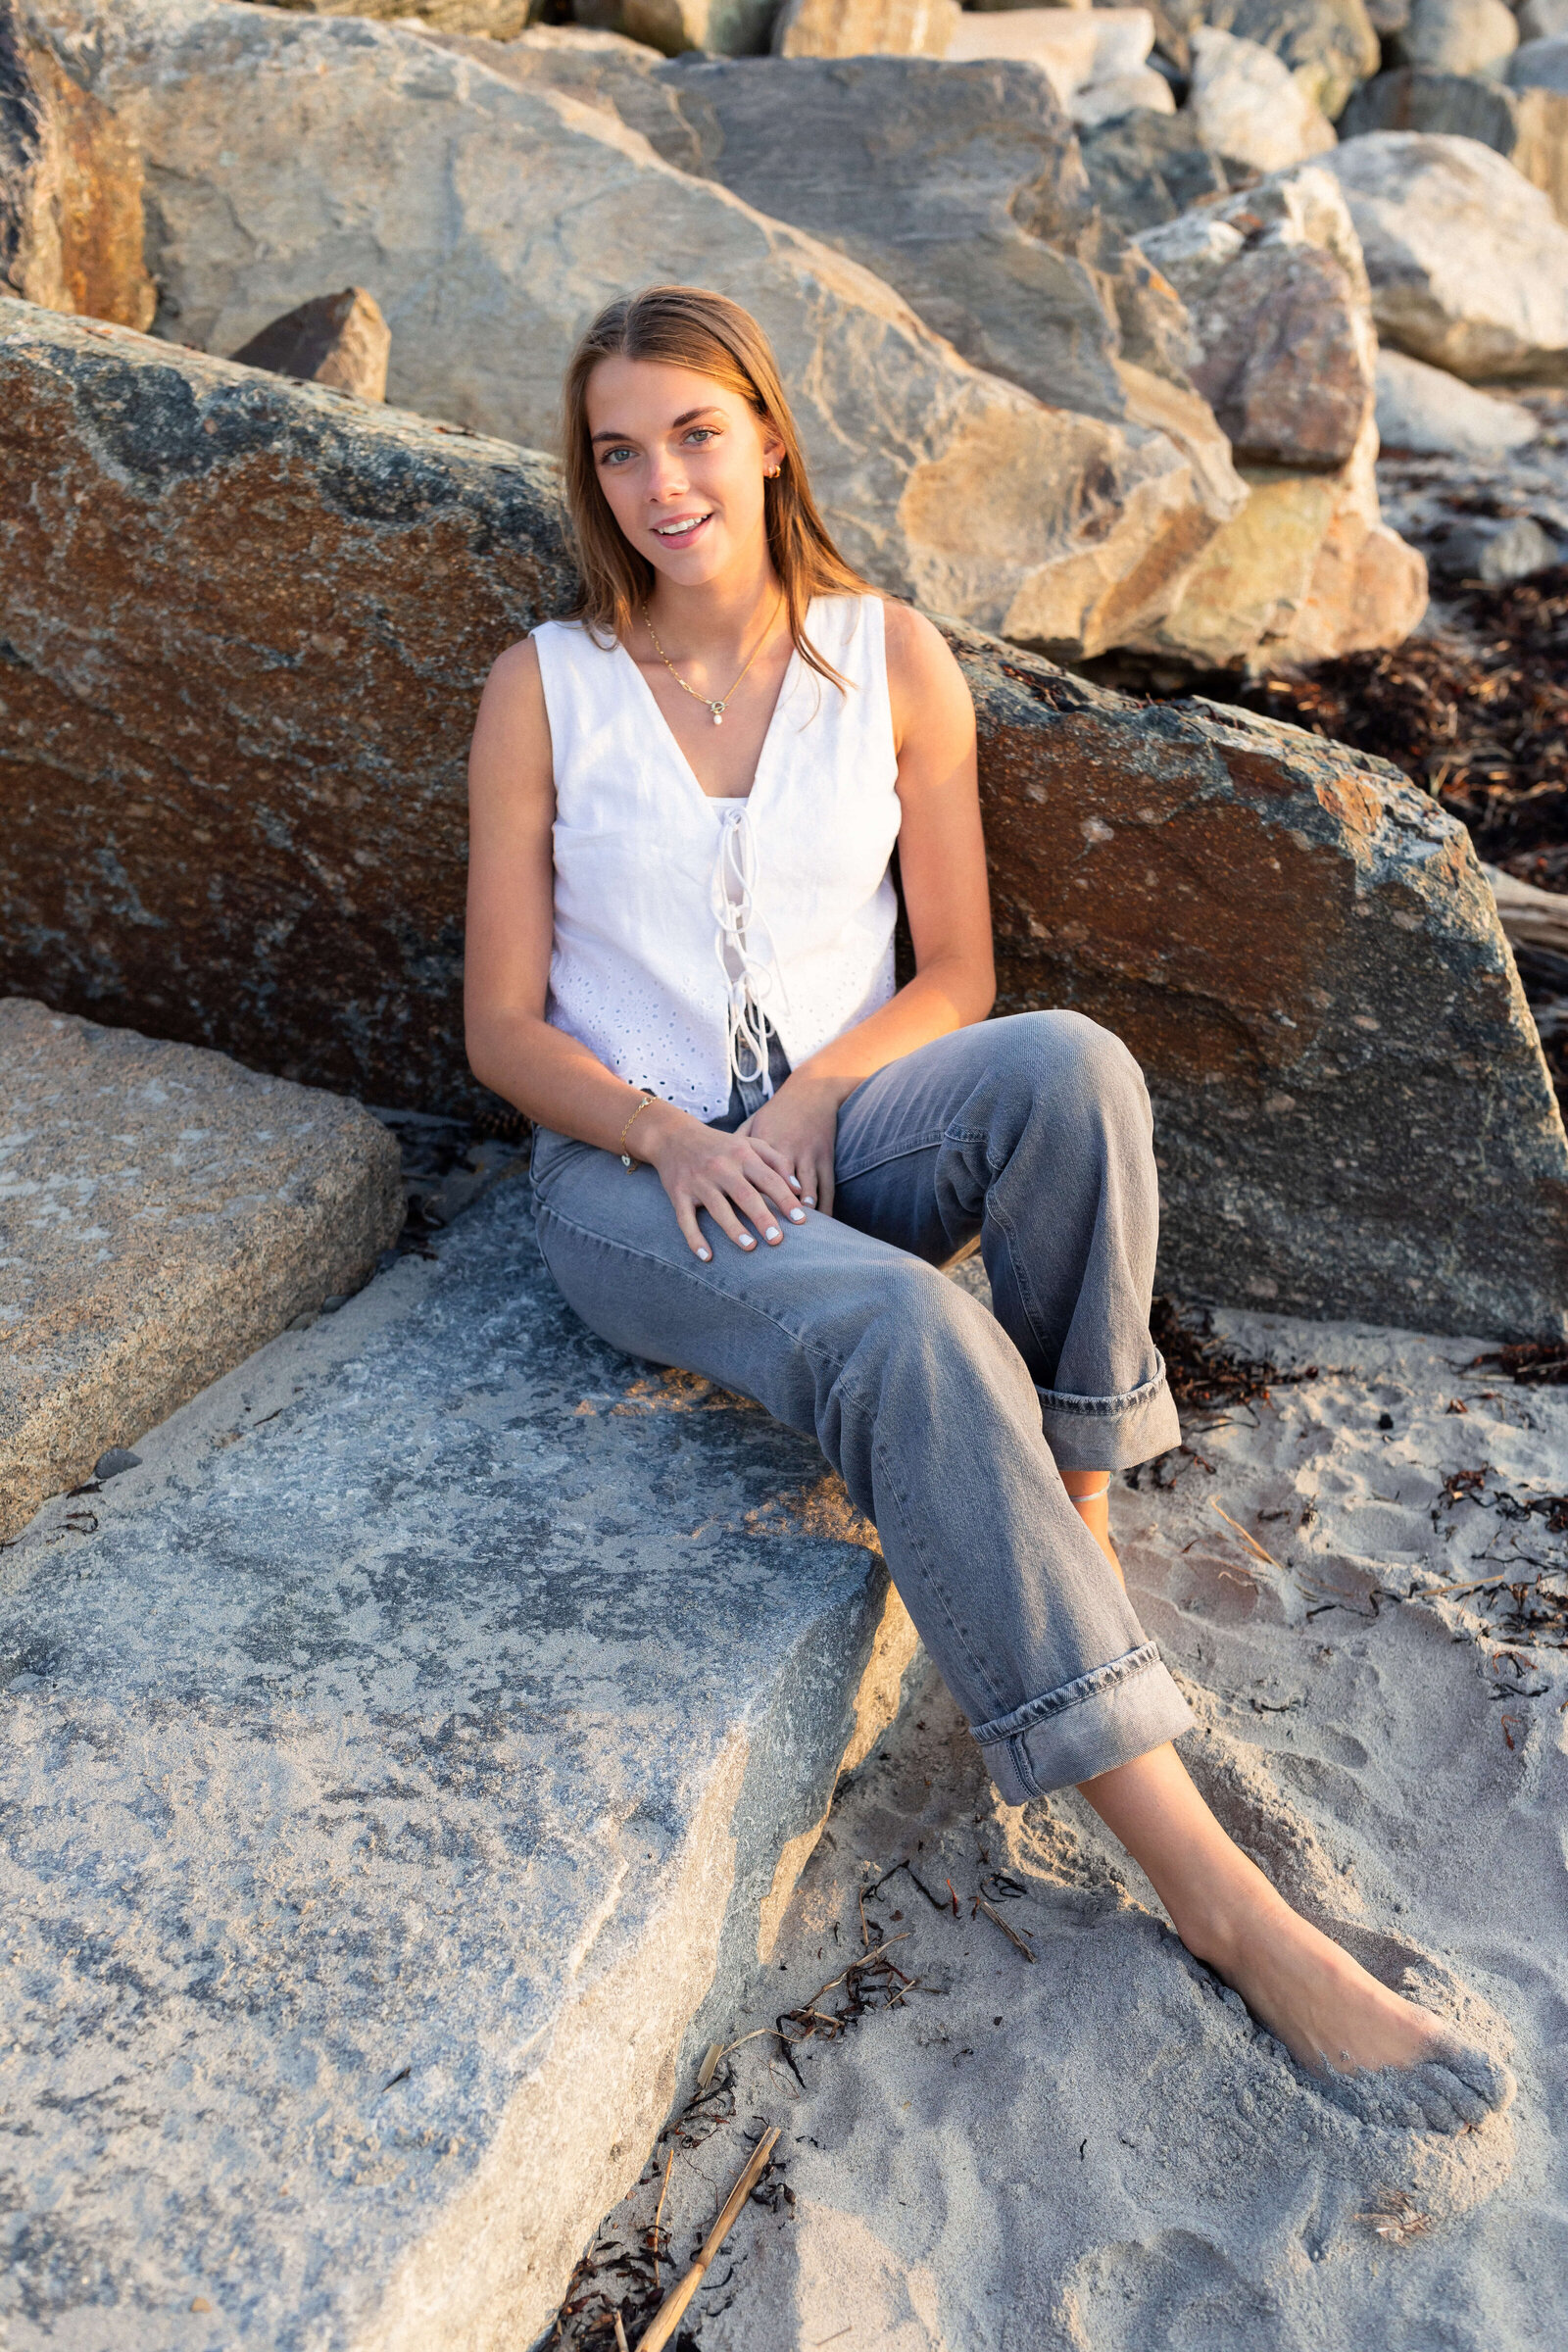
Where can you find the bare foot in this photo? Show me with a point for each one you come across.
(1382, 2057)
(1094, 1510)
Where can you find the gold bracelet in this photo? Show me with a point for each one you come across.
(625, 1155)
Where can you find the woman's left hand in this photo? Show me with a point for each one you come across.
(800, 1122)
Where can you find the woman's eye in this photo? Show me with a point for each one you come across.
(703, 432)
(613, 456)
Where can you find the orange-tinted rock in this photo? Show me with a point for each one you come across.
(232, 811)
(1353, 1115)
(336, 339)
(71, 191)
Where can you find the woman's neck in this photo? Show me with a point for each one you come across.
(719, 614)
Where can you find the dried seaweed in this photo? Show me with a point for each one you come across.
(1533, 1364)
(1204, 1373)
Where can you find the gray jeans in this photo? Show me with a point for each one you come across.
(949, 1425)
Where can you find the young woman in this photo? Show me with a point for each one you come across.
(753, 1155)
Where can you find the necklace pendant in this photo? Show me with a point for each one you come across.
(717, 710)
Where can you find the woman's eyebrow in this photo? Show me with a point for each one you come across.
(690, 417)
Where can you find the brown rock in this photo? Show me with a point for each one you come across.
(162, 1212)
(233, 801)
(1277, 293)
(496, 20)
(1352, 1117)
(71, 191)
(338, 339)
(863, 27)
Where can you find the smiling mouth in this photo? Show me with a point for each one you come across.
(683, 530)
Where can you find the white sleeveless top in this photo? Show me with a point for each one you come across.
(680, 919)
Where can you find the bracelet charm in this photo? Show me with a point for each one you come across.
(625, 1155)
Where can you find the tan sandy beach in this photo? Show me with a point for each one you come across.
(1097, 2149)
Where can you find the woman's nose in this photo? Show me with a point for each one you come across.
(666, 475)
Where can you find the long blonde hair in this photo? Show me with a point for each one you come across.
(685, 327)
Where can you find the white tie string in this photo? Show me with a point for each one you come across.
(749, 979)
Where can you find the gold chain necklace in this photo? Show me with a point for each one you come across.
(720, 707)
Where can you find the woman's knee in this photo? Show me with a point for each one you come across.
(1061, 1061)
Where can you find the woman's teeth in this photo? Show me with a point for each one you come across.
(682, 530)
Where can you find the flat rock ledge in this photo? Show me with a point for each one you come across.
(405, 1769)
(162, 1212)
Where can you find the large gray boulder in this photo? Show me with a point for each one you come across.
(962, 187)
(491, 220)
(1329, 45)
(1457, 36)
(162, 1212)
(1468, 262)
(233, 769)
(406, 1770)
(1529, 126)
(1277, 293)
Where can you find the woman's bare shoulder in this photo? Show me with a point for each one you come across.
(512, 733)
(923, 675)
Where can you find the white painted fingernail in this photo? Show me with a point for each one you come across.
(748, 1241)
(796, 1216)
(795, 1180)
(809, 1199)
(774, 1234)
(705, 1253)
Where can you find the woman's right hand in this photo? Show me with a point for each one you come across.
(731, 1176)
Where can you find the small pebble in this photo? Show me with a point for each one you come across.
(118, 1458)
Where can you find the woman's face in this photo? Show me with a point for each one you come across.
(683, 462)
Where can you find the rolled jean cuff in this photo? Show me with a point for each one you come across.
(1110, 1433)
(1104, 1718)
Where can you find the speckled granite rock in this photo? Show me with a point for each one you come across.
(1351, 1103)
(232, 762)
(400, 1778)
(71, 213)
(162, 1212)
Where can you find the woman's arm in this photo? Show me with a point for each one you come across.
(512, 1048)
(942, 866)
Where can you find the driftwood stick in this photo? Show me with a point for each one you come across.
(668, 2318)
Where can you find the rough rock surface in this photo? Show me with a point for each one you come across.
(1119, 94)
(961, 187)
(1529, 126)
(162, 1212)
(1148, 168)
(496, 20)
(1304, 956)
(340, 340)
(1248, 106)
(403, 1775)
(943, 482)
(1542, 20)
(1072, 46)
(236, 851)
(72, 215)
(232, 760)
(1329, 45)
(1431, 412)
(1308, 569)
(1275, 287)
(1468, 262)
(1457, 36)
(866, 28)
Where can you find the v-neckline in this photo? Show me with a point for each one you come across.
(719, 800)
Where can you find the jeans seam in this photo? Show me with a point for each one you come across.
(1020, 1720)
(1128, 1400)
(927, 1140)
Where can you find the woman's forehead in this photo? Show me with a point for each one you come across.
(657, 392)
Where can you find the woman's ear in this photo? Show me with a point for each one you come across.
(772, 452)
